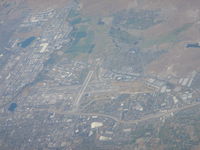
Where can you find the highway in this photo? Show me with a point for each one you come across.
(145, 118)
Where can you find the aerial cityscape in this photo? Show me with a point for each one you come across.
(99, 75)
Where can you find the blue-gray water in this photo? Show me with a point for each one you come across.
(27, 42)
(194, 45)
(12, 107)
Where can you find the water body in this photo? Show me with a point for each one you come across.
(12, 107)
(26, 42)
(193, 45)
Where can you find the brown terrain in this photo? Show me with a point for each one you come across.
(179, 61)
(104, 7)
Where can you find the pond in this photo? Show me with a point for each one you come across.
(194, 45)
(26, 42)
(12, 107)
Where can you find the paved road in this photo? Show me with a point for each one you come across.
(145, 118)
(81, 92)
(161, 114)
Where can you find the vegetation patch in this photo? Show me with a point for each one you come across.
(82, 41)
(123, 36)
